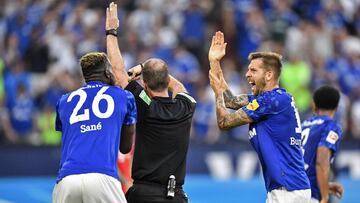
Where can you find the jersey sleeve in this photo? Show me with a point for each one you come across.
(131, 115)
(261, 106)
(184, 96)
(330, 137)
(58, 124)
(138, 91)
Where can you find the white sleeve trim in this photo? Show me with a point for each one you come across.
(187, 96)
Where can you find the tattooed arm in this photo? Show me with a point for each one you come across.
(225, 119)
(228, 120)
(234, 102)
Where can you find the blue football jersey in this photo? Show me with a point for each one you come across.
(275, 134)
(90, 120)
(318, 131)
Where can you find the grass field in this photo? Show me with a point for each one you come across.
(200, 189)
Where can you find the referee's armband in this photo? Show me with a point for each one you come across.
(192, 100)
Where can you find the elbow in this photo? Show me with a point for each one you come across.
(223, 126)
(125, 149)
(227, 105)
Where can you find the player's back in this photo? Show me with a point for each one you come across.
(318, 131)
(162, 140)
(91, 119)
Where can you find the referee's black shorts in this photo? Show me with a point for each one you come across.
(151, 193)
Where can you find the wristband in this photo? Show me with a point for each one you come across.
(112, 32)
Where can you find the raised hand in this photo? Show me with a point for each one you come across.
(112, 20)
(135, 72)
(218, 47)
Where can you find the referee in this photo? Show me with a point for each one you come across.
(163, 128)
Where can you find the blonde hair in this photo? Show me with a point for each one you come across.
(92, 60)
(271, 60)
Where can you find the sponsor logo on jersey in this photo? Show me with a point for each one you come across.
(253, 105)
(332, 137)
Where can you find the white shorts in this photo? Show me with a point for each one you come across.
(313, 200)
(284, 196)
(89, 187)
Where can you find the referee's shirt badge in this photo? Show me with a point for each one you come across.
(145, 97)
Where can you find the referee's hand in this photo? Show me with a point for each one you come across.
(135, 72)
(112, 20)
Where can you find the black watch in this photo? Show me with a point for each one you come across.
(111, 32)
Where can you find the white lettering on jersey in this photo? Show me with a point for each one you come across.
(87, 128)
(332, 137)
(252, 133)
(294, 141)
(314, 122)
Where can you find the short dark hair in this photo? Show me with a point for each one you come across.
(93, 60)
(155, 74)
(271, 60)
(326, 97)
(95, 66)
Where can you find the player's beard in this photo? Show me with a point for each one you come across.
(259, 86)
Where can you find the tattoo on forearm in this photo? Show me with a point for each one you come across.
(235, 102)
(228, 120)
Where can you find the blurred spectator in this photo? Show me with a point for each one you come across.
(46, 120)
(19, 123)
(295, 78)
(37, 54)
(355, 116)
(15, 75)
(205, 129)
(193, 29)
(186, 68)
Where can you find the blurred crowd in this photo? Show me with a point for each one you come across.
(42, 40)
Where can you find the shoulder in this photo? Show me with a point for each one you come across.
(277, 94)
(275, 99)
(332, 133)
(134, 87)
(65, 97)
(332, 125)
(185, 96)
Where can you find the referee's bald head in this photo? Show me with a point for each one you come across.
(155, 74)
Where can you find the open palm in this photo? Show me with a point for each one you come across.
(218, 47)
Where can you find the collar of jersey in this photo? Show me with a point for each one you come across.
(274, 90)
(94, 82)
(163, 98)
(324, 117)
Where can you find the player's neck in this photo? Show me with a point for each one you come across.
(322, 112)
(270, 86)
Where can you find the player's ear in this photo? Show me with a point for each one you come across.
(269, 75)
(109, 74)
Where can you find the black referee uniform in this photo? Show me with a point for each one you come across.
(161, 145)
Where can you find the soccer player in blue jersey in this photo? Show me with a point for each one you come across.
(320, 140)
(96, 121)
(275, 129)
